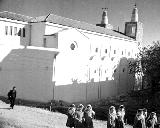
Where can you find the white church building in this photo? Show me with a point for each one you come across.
(56, 58)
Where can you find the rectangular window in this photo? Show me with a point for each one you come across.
(19, 32)
(15, 31)
(105, 50)
(6, 30)
(114, 51)
(11, 29)
(24, 32)
(129, 53)
(44, 42)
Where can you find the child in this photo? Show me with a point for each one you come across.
(145, 113)
(71, 114)
(139, 121)
(152, 120)
(112, 117)
(119, 123)
(88, 116)
(79, 117)
(121, 111)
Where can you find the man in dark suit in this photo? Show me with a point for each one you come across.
(12, 96)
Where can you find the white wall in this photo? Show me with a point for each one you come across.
(91, 91)
(111, 72)
(52, 41)
(71, 64)
(31, 71)
(12, 40)
(53, 28)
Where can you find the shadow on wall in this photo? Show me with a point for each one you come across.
(31, 71)
(121, 83)
(125, 80)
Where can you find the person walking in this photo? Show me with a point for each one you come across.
(139, 121)
(152, 120)
(121, 112)
(88, 116)
(112, 118)
(119, 122)
(12, 96)
(79, 117)
(145, 113)
(71, 115)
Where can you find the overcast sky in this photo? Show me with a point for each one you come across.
(90, 11)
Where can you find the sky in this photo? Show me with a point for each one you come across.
(90, 11)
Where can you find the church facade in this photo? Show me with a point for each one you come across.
(52, 57)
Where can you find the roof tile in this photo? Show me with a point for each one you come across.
(78, 24)
(15, 16)
(63, 21)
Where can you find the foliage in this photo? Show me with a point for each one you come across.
(148, 63)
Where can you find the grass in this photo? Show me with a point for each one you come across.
(32, 117)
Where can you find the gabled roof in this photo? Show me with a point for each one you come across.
(15, 16)
(51, 18)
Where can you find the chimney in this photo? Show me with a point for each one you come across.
(104, 20)
(134, 17)
(104, 17)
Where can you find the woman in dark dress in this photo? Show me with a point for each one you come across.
(139, 121)
(112, 118)
(79, 117)
(88, 116)
(119, 122)
(71, 116)
(152, 120)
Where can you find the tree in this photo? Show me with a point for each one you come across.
(148, 63)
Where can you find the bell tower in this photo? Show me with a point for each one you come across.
(134, 28)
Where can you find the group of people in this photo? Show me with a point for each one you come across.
(116, 118)
(142, 120)
(80, 116)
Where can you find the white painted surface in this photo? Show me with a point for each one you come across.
(34, 69)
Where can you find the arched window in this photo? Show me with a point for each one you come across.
(15, 31)
(105, 50)
(129, 53)
(123, 70)
(96, 50)
(44, 42)
(11, 29)
(6, 30)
